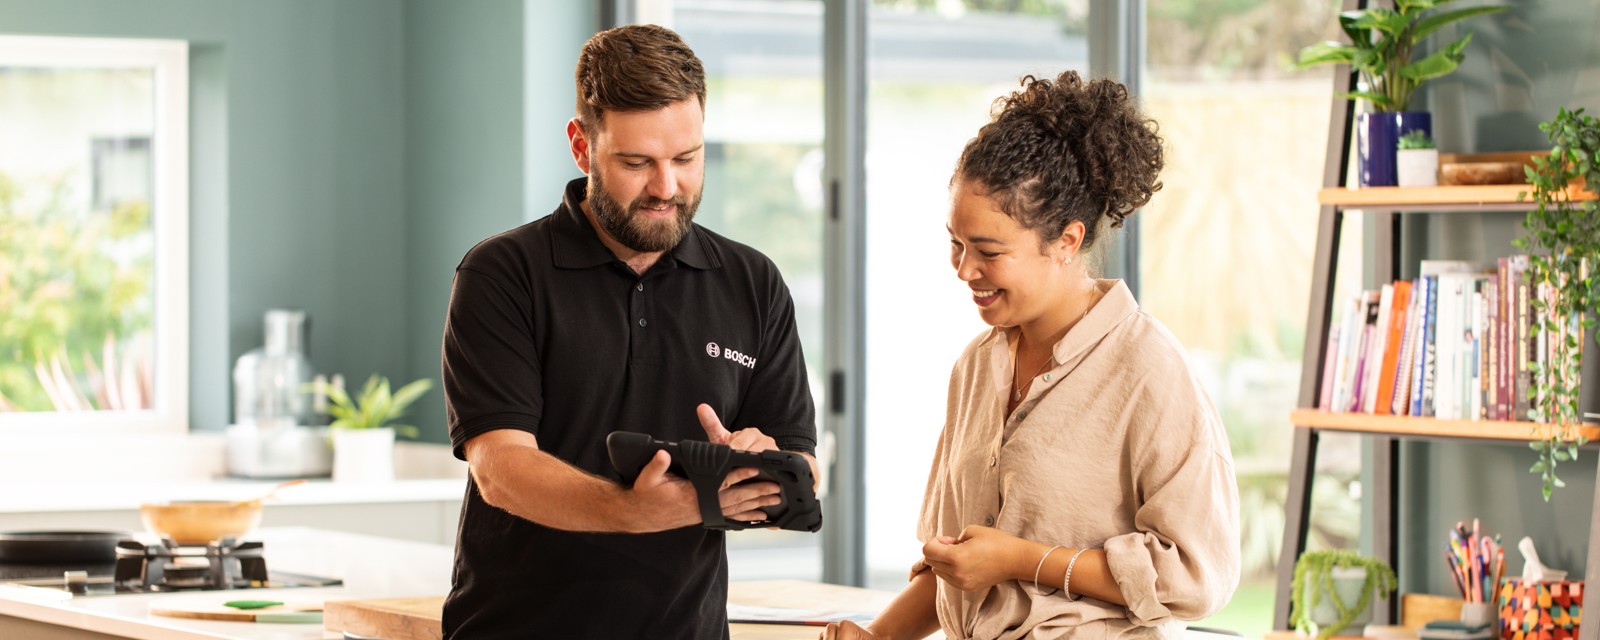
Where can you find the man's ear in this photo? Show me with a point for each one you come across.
(578, 142)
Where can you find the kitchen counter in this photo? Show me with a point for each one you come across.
(371, 567)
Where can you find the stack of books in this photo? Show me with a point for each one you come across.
(1455, 343)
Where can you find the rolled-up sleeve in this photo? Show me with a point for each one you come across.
(1182, 562)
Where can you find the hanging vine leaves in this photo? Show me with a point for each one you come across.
(1563, 242)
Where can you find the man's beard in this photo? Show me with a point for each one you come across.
(629, 226)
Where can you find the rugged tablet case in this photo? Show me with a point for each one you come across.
(706, 464)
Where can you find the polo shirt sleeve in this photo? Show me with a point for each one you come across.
(492, 378)
(778, 400)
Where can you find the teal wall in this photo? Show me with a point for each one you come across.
(490, 89)
(1520, 67)
(344, 155)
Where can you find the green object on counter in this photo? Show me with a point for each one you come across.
(251, 604)
(291, 617)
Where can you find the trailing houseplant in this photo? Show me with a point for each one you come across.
(1314, 580)
(1562, 240)
(1382, 41)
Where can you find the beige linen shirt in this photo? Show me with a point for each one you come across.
(1117, 447)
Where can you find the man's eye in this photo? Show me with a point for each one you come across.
(988, 254)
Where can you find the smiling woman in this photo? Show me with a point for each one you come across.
(93, 204)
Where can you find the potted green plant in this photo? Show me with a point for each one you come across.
(1333, 589)
(1563, 237)
(1416, 163)
(363, 433)
(1382, 41)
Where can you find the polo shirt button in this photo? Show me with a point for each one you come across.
(991, 461)
(1046, 377)
(640, 286)
(1022, 414)
(989, 521)
(641, 322)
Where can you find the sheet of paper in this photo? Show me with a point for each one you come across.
(776, 615)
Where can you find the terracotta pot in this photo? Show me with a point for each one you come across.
(200, 521)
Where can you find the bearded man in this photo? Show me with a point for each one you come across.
(615, 312)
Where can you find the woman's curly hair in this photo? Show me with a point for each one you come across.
(1065, 150)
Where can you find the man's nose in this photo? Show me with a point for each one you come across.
(663, 182)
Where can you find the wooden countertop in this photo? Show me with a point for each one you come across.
(419, 618)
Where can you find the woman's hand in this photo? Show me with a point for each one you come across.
(981, 558)
(845, 631)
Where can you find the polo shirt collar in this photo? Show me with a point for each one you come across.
(578, 246)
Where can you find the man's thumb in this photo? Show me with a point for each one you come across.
(709, 421)
(655, 469)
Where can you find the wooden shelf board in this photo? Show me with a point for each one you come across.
(1429, 427)
(1422, 196)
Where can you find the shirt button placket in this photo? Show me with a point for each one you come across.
(638, 302)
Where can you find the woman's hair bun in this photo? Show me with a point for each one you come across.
(1066, 149)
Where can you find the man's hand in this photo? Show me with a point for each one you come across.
(741, 502)
(747, 439)
(663, 501)
(981, 558)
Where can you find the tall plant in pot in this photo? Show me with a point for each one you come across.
(363, 433)
(1563, 242)
(1382, 41)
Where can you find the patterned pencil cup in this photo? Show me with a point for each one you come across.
(1540, 610)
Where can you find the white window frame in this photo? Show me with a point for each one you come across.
(169, 413)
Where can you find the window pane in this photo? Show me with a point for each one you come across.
(1226, 248)
(934, 69)
(76, 243)
(763, 186)
(91, 196)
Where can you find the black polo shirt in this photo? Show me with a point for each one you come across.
(548, 332)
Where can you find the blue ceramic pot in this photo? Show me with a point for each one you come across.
(1377, 138)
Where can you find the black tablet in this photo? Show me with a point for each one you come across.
(706, 464)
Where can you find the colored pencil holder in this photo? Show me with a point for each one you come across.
(1540, 610)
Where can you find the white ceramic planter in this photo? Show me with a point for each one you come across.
(363, 455)
(1417, 167)
(1347, 583)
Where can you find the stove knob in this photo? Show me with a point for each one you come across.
(77, 582)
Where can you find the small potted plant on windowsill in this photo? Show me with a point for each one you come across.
(1563, 240)
(1381, 43)
(1416, 163)
(363, 436)
(1333, 590)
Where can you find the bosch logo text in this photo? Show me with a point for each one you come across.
(714, 350)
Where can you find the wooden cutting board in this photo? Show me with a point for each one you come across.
(212, 608)
(390, 618)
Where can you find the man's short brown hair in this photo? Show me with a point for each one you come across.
(641, 67)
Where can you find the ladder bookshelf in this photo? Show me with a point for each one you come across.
(1384, 207)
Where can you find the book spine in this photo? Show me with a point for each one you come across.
(1400, 403)
(1522, 382)
(1430, 351)
(1383, 404)
(1330, 363)
(1370, 387)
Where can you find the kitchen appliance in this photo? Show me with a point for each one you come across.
(273, 434)
(161, 567)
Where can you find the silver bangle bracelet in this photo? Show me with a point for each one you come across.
(1041, 566)
(1066, 579)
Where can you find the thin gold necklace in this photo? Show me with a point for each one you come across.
(1017, 389)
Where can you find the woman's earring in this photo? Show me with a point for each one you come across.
(1067, 261)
